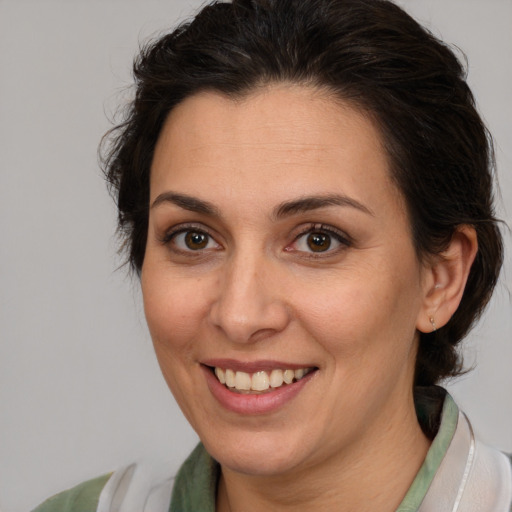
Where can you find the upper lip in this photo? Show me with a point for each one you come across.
(254, 366)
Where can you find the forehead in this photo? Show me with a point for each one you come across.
(292, 137)
(293, 113)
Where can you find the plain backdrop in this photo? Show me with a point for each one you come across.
(80, 389)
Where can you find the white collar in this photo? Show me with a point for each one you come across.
(472, 477)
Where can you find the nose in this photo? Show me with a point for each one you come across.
(249, 304)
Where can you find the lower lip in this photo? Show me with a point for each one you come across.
(248, 404)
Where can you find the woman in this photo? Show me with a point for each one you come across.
(305, 190)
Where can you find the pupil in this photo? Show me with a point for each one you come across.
(196, 240)
(319, 242)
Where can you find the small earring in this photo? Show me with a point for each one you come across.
(432, 321)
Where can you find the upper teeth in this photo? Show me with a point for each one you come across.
(259, 381)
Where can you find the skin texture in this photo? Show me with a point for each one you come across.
(349, 439)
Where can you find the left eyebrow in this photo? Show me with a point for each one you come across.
(309, 203)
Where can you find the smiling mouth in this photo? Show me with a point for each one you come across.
(258, 382)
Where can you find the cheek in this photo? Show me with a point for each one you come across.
(173, 308)
(365, 315)
(172, 312)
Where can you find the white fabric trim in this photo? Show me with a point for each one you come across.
(471, 478)
(136, 488)
(467, 469)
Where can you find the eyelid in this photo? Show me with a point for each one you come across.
(324, 228)
(340, 236)
(176, 230)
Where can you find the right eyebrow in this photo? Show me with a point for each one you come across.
(190, 203)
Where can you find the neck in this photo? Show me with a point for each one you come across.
(374, 474)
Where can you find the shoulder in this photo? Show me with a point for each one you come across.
(467, 474)
(81, 498)
(491, 478)
(141, 486)
(486, 482)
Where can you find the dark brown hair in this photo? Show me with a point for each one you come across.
(369, 52)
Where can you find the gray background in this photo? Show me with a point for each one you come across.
(80, 390)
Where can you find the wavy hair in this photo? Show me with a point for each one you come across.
(368, 52)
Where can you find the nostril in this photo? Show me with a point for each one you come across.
(262, 334)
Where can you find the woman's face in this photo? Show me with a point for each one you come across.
(278, 245)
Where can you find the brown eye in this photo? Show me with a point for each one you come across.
(196, 241)
(191, 240)
(318, 242)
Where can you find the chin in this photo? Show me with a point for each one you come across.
(258, 455)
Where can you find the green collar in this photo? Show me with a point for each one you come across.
(438, 448)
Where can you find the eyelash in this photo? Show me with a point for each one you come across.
(170, 235)
(342, 238)
(321, 229)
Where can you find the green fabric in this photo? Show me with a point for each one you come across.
(195, 486)
(196, 483)
(82, 498)
(440, 444)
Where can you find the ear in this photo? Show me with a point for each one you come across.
(445, 279)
